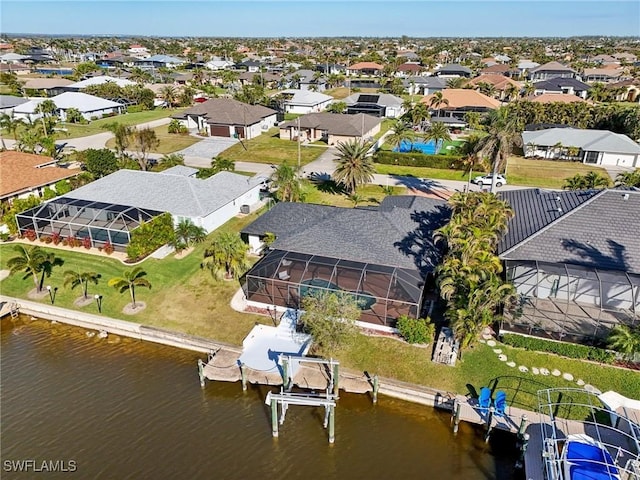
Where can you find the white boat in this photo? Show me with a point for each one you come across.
(584, 458)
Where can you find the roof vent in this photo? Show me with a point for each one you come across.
(625, 196)
(558, 198)
(559, 210)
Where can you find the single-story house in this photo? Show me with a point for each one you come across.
(49, 86)
(378, 104)
(562, 85)
(226, 117)
(304, 101)
(24, 174)
(90, 106)
(409, 68)
(556, 98)
(499, 82)
(332, 128)
(270, 79)
(365, 68)
(629, 90)
(423, 85)
(595, 147)
(9, 102)
(525, 66)
(458, 101)
(385, 256)
(306, 80)
(250, 65)
(572, 257)
(121, 82)
(108, 209)
(453, 70)
(500, 69)
(219, 64)
(331, 68)
(625, 57)
(551, 70)
(16, 68)
(157, 61)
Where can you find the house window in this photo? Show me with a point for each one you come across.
(591, 157)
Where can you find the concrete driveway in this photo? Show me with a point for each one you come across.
(200, 154)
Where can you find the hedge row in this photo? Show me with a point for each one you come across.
(416, 159)
(570, 350)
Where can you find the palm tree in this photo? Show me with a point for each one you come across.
(629, 179)
(31, 260)
(82, 279)
(288, 184)
(528, 89)
(511, 91)
(596, 180)
(188, 233)
(227, 256)
(574, 183)
(219, 164)
(456, 82)
(11, 124)
(171, 160)
(625, 340)
(129, 281)
(356, 198)
(418, 114)
(439, 133)
(497, 145)
(354, 166)
(48, 109)
(473, 120)
(400, 132)
(470, 159)
(437, 101)
(169, 95)
(140, 76)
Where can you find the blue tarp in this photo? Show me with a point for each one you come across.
(590, 462)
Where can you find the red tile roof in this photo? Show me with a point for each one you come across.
(555, 98)
(464, 97)
(366, 65)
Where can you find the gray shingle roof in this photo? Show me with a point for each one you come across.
(180, 170)
(556, 84)
(454, 67)
(227, 111)
(399, 233)
(587, 140)
(384, 99)
(336, 123)
(9, 101)
(602, 233)
(166, 192)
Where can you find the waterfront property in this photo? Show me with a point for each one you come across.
(110, 208)
(595, 147)
(24, 174)
(89, 106)
(428, 148)
(457, 101)
(383, 256)
(572, 257)
(382, 105)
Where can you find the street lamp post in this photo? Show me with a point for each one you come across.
(99, 302)
(52, 293)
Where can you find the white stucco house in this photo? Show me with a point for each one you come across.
(99, 80)
(226, 117)
(90, 106)
(304, 101)
(595, 147)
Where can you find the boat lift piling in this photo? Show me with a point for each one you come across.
(489, 424)
(455, 417)
(284, 399)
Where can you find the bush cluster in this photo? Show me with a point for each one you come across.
(570, 350)
(415, 330)
(150, 236)
(416, 159)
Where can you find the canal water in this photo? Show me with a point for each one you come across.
(124, 409)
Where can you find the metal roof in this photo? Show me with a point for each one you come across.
(587, 140)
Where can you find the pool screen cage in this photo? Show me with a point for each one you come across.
(383, 293)
(571, 302)
(80, 219)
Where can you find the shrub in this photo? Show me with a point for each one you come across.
(416, 159)
(108, 248)
(150, 236)
(175, 126)
(136, 108)
(30, 234)
(46, 239)
(56, 238)
(570, 350)
(415, 330)
(86, 243)
(71, 241)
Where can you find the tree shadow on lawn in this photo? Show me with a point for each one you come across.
(327, 185)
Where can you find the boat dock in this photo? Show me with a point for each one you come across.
(9, 308)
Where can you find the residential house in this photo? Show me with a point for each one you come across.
(271, 80)
(551, 70)
(25, 174)
(226, 117)
(453, 70)
(562, 86)
(219, 64)
(604, 59)
(365, 69)
(571, 256)
(9, 102)
(500, 84)
(594, 147)
(629, 90)
(525, 66)
(15, 68)
(423, 85)
(332, 128)
(251, 66)
(303, 101)
(409, 69)
(138, 51)
(457, 101)
(48, 87)
(385, 256)
(99, 80)
(555, 98)
(306, 80)
(89, 106)
(377, 104)
(501, 69)
(157, 61)
(331, 68)
(604, 75)
(110, 208)
(625, 57)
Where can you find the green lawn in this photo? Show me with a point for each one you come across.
(330, 194)
(421, 172)
(183, 297)
(546, 173)
(96, 126)
(268, 148)
(384, 128)
(169, 142)
(480, 367)
(340, 93)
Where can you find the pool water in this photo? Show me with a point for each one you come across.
(54, 71)
(309, 287)
(429, 148)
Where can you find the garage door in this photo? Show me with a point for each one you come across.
(219, 130)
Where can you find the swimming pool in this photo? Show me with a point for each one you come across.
(315, 285)
(429, 148)
(54, 71)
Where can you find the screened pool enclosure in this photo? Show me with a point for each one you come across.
(383, 293)
(571, 302)
(100, 222)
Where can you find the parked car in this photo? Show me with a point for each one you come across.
(485, 180)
